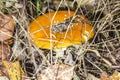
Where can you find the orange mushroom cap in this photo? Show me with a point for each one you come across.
(77, 30)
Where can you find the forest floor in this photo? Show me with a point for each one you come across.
(96, 59)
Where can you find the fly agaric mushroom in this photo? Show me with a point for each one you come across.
(61, 29)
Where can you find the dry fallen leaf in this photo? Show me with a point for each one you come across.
(115, 76)
(5, 52)
(57, 72)
(14, 70)
(6, 27)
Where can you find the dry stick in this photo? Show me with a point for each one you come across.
(72, 18)
(43, 56)
(98, 54)
(34, 63)
(112, 57)
(107, 41)
(51, 45)
(94, 65)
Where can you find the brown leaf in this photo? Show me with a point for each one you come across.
(57, 72)
(5, 52)
(14, 70)
(6, 27)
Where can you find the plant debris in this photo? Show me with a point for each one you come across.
(14, 70)
(57, 72)
(95, 59)
(7, 25)
(5, 52)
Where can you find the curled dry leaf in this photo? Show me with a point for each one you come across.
(6, 27)
(57, 72)
(115, 76)
(5, 52)
(14, 70)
